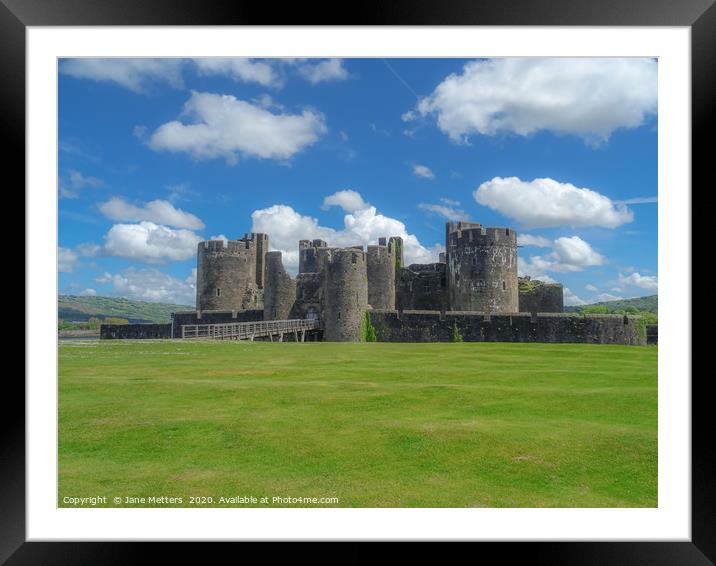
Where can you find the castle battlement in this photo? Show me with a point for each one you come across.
(304, 244)
(251, 241)
(353, 255)
(227, 246)
(308, 255)
(482, 236)
(426, 267)
(380, 251)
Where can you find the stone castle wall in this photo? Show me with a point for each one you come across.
(345, 298)
(309, 296)
(536, 296)
(308, 252)
(229, 274)
(481, 268)
(422, 287)
(381, 276)
(134, 331)
(279, 289)
(432, 326)
(474, 288)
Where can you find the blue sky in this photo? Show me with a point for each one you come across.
(155, 155)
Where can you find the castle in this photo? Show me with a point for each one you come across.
(476, 273)
(472, 293)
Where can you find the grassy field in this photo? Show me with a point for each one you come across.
(374, 425)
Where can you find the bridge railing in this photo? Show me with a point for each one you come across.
(247, 330)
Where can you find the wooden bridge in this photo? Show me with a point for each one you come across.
(274, 329)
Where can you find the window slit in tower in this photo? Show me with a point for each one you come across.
(218, 292)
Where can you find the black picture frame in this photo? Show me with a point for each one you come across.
(699, 15)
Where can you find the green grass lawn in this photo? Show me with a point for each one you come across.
(373, 424)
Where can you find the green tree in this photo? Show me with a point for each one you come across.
(115, 320)
(595, 309)
(368, 331)
(456, 335)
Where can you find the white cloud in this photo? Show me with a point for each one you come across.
(220, 237)
(543, 203)
(570, 299)
(286, 227)
(267, 101)
(223, 126)
(328, 70)
(152, 285)
(544, 278)
(589, 98)
(349, 200)
(240, 69)
(378, 130)
(139, 131)
(604, 297)
(66, 260)
(150, 242)
(136, 75)
(89, 249)
(536, 241)
(271, 72)
(639, 200)
(576, 253)
(423, 171)
(63, 191)
(568, 254)
(181, 192)
(75, 182)
(590, 287)
(446, 211)
(79, 181)
(648, 282)
(156, 211)
(89, 292)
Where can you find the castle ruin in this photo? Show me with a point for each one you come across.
(473, 289)
(476, 273)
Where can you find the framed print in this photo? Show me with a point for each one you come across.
(392, 279)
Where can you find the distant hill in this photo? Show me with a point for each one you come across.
(642, 304)
(75, 308)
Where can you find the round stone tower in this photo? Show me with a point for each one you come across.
(279, 289)
(345, 294)
(230, 273)
(482, 268)
(381, 276)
